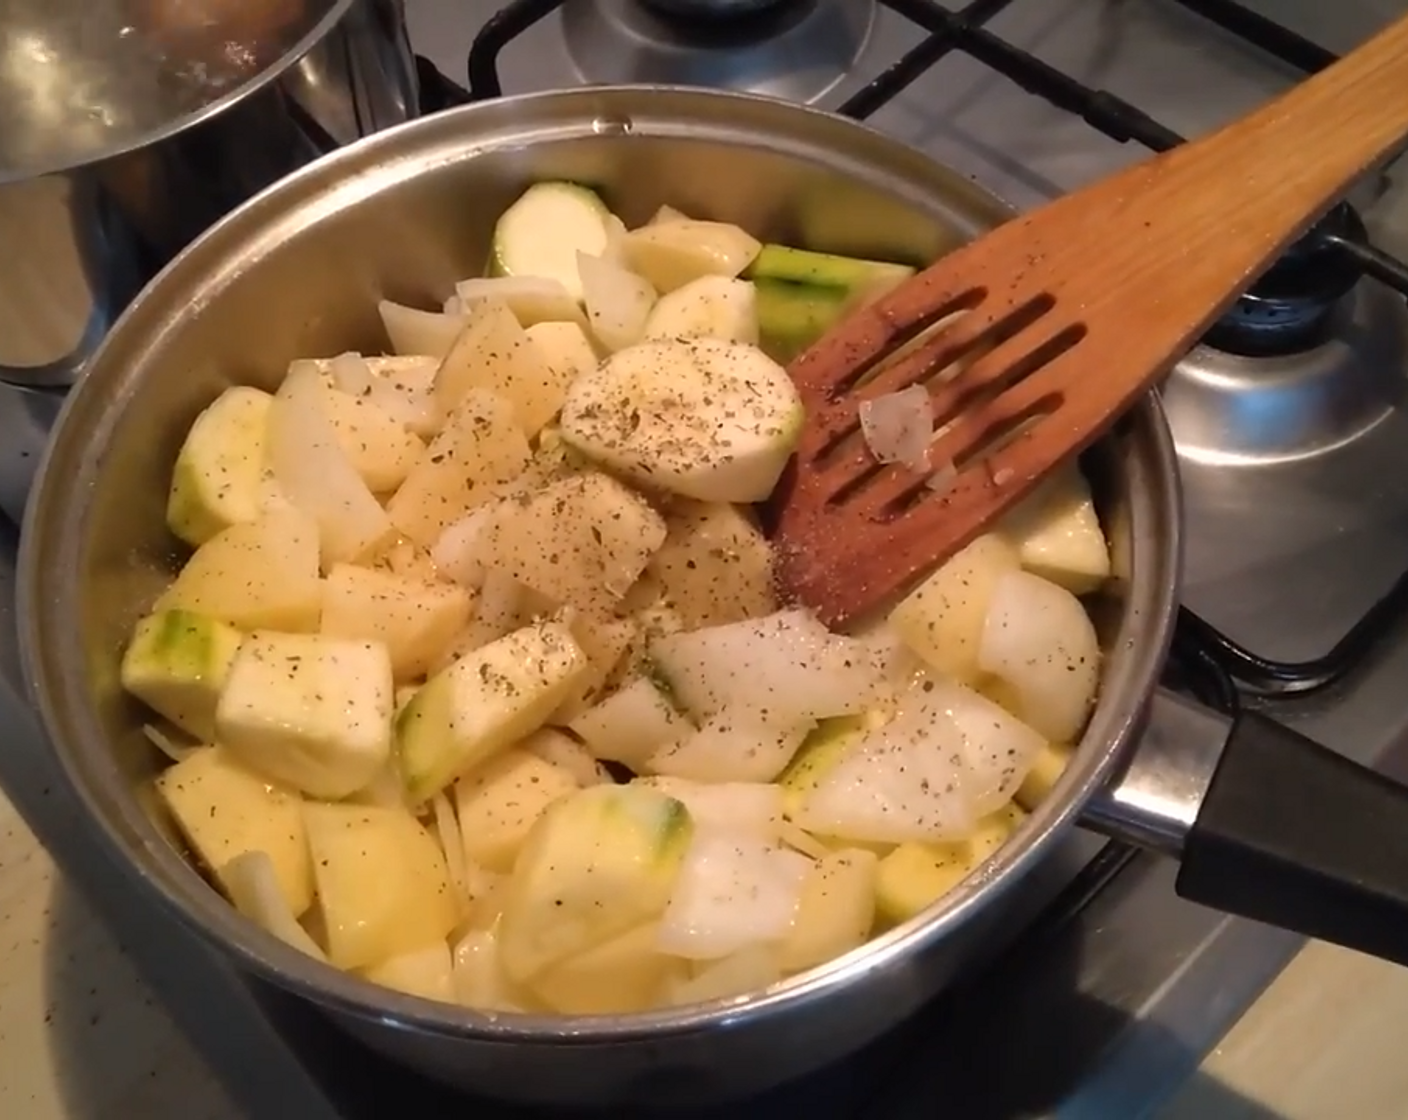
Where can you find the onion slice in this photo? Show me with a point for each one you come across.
(898, 427)
(253, 887)
(732, 891)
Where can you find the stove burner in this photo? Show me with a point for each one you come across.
(1231, 409)
(1289, 309)
(792, 49)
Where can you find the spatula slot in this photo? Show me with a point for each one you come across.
(964, 340)
(901, 324)
(998, 372)
(981, 454)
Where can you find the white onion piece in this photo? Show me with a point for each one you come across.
(942, 477)
(253, 887)
(427, 972)
(447, 831)
(413, 331)
(749, 970)
(168, 745)
(532, 299)
(351, 374)
(454, 306)
(618, 301)
(735, 808)
(403, 388)
(998, 749)
(731, 891)
(315, 474)
(631, 724)
(1039, 640)
(905, 781)
(730, 746)
(898, 427)
(479, 981)
(785, 669)
(459, 553)
(563, 751)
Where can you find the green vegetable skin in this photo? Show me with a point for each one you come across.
(802, 294)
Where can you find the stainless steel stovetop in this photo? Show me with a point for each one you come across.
(1296, 477)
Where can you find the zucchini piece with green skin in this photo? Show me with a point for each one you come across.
(597, 863)
(177, 664)
(793, 316)
(860, 278)
(542, 233)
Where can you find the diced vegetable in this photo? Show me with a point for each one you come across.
(483, 703)
(381, 449)
(317, 476)
(420, 333)
(735, 744)
(1046, 771)
(220, 477)
(625, 974)
(566, 753)
(565, 348)
(532, 299)
(710, 307)
(261, 574)
(618, 301)
(860, 279)
(426, 972)
(732, 891)
(631, 724)
(598, 863)
(177, 664)
(942, 620)
(416, 621)
(381, 880)
(786, 668)
(671, 254)
(478, 975)
(579, 542)
(914, 876)
(498, 802)
(715, 567)
(251, 880)
(307, 710)
(706, 419)
(737, 808)
(542, 233)
(835, 911)
(1039, 640)
(1057, 532)
(225, 810)
(494, 353)
(481, 445)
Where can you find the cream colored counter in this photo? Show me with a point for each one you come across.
(82, 1038)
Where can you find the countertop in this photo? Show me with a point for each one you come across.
(82, 1037)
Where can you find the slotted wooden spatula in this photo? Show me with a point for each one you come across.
(1068, 315)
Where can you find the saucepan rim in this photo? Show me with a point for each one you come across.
(54, 531)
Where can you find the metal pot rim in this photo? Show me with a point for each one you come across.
(53, 531)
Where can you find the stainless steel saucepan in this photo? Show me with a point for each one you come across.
(1266, 823)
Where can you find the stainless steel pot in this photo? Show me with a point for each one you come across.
(404, 215)
(127, 128)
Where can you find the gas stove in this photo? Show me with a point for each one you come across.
(1293, 442)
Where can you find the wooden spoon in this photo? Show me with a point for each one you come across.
(1068, 315)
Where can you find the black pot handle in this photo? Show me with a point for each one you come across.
(1292, 834)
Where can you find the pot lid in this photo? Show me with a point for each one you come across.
(84, 79)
